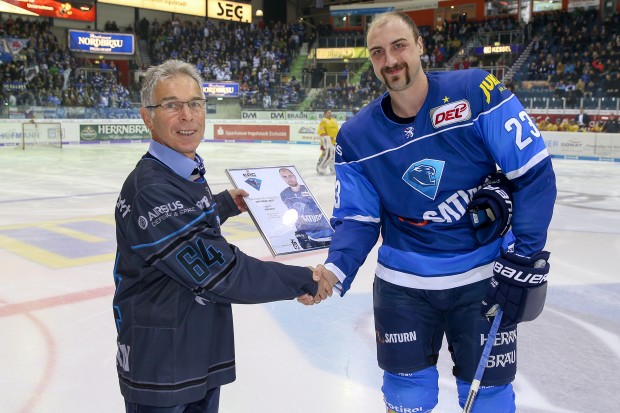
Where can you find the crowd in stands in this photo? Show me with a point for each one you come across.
(346, 95)
(43, 73)
(440, 45)
(573, 56)
(610, 125)
(255, 55)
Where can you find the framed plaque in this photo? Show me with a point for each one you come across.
(287, 215)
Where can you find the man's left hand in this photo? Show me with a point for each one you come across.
(237, 196)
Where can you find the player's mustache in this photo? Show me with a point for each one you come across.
(397, 66)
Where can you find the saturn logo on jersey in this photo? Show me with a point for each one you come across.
(450, 113)
(424, 176)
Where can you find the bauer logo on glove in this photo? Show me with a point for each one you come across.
(490, 209)
(518, 286)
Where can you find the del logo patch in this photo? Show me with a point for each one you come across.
(254, 183)
(424, 176)
(450, 113)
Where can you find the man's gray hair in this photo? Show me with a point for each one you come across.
(162, 71)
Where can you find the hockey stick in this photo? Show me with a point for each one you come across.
(475, 384)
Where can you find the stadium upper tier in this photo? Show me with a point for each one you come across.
(563, 61)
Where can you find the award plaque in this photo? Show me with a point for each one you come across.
(287, 215)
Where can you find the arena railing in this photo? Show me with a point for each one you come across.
(556, 105)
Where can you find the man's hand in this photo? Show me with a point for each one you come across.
(326, 280)
(237, 196)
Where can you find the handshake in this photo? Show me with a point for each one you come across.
(326, 279)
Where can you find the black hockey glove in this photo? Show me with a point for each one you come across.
(518, 286)
(490, 209)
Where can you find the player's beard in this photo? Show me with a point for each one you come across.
(396, 84)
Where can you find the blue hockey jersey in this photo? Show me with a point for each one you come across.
(411, 182)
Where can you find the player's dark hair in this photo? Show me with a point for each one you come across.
(383, 18)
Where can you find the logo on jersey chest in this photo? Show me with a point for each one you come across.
(424, 176)
(408, 132)
(450, 113)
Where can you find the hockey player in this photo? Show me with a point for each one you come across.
(328, 129)
(407, 168)
(313, 230)
(175, 275)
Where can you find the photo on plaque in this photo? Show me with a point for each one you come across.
(284, 210)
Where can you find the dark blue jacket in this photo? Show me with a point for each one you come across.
(176, 277)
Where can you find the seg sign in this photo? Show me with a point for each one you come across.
(229, 10)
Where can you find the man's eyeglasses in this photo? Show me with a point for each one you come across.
(174, 107)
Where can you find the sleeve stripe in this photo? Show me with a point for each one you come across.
(192, 223)
(494, 107)
(532, 163)
(163, 252)
(361, 218)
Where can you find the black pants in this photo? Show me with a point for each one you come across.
(209, 404)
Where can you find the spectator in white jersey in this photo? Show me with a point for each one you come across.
(414, 167)
(176, 276)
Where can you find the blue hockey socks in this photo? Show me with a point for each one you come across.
(411, 392)
(490, 399)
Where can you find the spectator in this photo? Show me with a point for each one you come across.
(612, 125)
(582, 119)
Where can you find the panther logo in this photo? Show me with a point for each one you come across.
(254, 183)
(423, 174)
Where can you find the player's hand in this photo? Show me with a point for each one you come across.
(326, 280)
(518, 286)
(307, 299)
(237, 196)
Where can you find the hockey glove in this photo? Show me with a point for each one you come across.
(518, 286)
(490, 209)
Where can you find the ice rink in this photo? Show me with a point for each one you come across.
(57, 334)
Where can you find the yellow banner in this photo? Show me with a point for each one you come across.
(229, 10)
(342, 53)
(192, 7)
